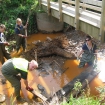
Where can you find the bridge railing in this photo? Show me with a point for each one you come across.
(85, 15)
(91, 4)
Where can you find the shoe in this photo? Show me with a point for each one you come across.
(21, 100)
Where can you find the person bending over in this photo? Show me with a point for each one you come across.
(16, 68)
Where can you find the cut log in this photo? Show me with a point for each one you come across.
(57, 46)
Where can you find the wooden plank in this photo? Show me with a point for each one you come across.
(93, 2)
(84, 5)
(102, 23)
(48, 7)
(77, 14)
(60, 10)
(36, 93)
(39, 3)
(39, 95)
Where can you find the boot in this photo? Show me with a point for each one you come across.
(81, 64)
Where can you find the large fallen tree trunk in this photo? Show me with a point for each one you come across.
(57, 46)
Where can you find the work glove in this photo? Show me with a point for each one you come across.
(6, 43)
(29, 88)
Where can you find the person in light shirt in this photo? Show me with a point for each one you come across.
(3, 52)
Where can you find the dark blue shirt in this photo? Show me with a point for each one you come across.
(84, 47)
(18, 29)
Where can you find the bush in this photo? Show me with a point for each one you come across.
(12, 9)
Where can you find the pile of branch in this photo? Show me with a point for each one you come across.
(57, 46)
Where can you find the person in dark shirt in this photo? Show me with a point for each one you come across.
(89, 52)
(20, 35)
(3, 52)
(16, 68)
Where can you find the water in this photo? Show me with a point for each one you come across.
(51, 82)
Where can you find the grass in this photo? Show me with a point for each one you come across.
(85, 98)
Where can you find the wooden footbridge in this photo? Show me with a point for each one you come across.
(84, 15)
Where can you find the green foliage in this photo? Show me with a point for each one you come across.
(77, 86)
(82, 101)
(10, 10)
(85, 98)
(101, 90)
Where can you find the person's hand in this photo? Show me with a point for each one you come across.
(77, 58)
(29, 88)
(26, 25)
(6, 43)
(23, 36)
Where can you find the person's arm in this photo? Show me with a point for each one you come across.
(25, 25)
(24, 76)
(1, 42)
(96, 51)
(80, 53)
(21, 35)
(26, 83)
(17, 32)
(27, 86)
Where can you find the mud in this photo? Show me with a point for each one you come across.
(54, 71)
(50, 62)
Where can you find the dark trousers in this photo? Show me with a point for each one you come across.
(10, 74)
(3, 53)
(20, 41)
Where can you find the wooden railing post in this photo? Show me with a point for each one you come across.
(77, 2)
(84, 7)
(48, 7)
(60, 10)
(102, 23)
(39, 3)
